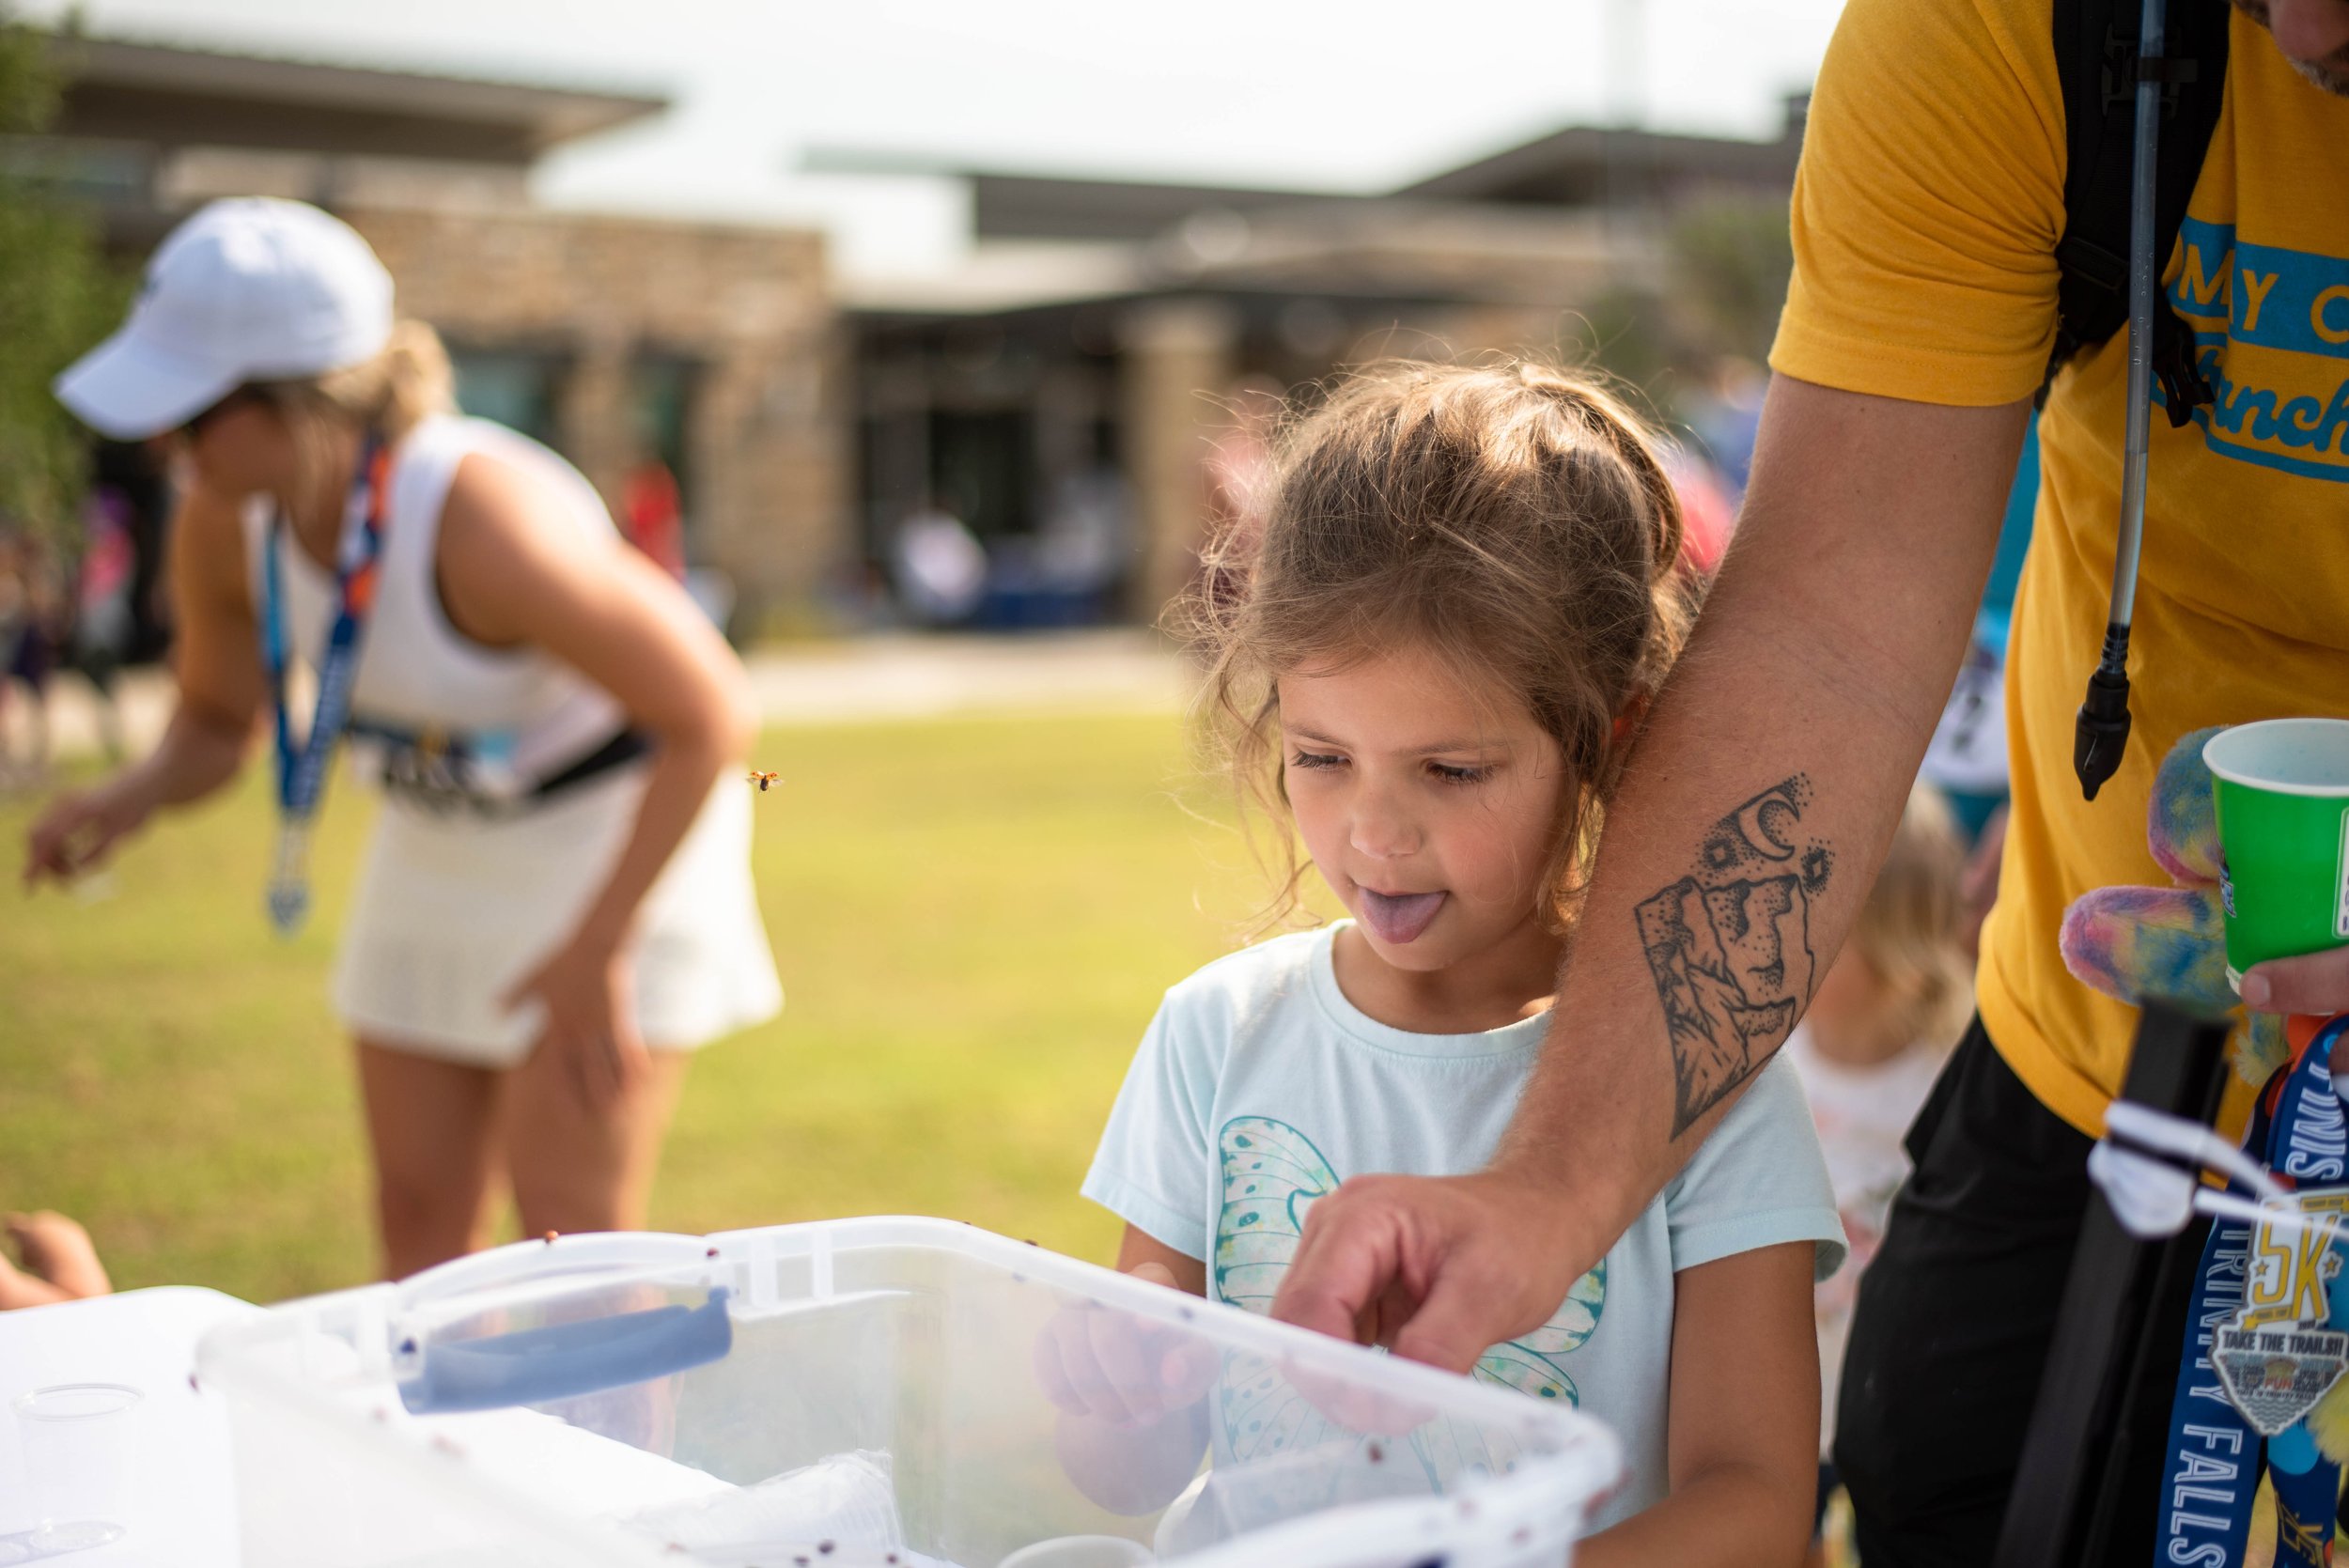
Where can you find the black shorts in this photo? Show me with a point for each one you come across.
(1953, 1321)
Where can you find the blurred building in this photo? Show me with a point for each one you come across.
(1065, 394)
(1102, 331)
(699, 354)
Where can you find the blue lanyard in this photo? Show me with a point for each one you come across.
(302, 769)
(2216, 1455)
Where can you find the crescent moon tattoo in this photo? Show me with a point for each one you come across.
(1759, 815)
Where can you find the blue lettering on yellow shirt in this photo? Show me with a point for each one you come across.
(2236, 295)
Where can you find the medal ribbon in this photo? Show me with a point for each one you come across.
(2212, 1470)
(302, 769)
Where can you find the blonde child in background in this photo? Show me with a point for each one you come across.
(1430, 665)
(1879, 1027)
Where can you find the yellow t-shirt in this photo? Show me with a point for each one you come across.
(1925, 220)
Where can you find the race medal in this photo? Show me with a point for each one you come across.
(2275, 1375)
(290, 878)
(2276, 1357)
(2263, 1343)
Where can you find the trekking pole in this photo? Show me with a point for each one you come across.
(2101, 732)
(2085, 1494)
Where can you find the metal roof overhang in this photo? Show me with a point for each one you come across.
(174, 97)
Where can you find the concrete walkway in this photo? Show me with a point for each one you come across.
(902, 677)
(870, 679)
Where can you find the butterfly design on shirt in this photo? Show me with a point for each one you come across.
(1272, 1175)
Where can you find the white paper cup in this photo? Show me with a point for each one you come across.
(77, 1441)
(1082, 1551)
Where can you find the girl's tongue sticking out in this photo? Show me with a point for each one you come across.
(1399, 917)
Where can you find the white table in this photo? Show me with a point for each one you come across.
(183, 1513)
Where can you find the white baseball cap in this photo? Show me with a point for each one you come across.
(250, 288)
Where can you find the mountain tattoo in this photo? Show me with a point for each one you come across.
(1729, 945)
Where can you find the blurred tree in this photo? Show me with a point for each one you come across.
(1630, 332)
(1732, 257)
(58, 294)
(1626, 329)
(1717, 295)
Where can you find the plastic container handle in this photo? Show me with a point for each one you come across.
(563, 1360)
(521, 1263)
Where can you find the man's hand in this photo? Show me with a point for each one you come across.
(1438, 1269)
(2315, 985)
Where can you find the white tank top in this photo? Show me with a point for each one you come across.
(523, 712)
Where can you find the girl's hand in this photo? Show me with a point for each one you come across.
(80, 829)
(1128, 1372)
(588, 991)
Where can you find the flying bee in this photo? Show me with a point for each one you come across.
(764, 780)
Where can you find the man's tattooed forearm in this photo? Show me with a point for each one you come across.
(1729, 945)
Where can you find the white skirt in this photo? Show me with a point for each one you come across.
(452, 910)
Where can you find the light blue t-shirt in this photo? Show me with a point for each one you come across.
(1259, 1087)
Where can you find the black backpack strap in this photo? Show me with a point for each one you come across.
(2096, 58)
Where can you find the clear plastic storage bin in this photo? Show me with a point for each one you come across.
(870, 1393)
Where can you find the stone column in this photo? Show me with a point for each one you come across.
(767, 448)
(595, 422)
(1180, 356)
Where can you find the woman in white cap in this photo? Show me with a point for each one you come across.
(557, 904)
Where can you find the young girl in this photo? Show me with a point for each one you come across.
(1431, 665)
(1873, 1039)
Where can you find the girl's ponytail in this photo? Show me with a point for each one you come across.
(1609, 416)
(417, 380)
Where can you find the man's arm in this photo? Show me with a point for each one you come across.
(1745, 835)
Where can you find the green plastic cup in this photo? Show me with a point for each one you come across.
(2283, 796)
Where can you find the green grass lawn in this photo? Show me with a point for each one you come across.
(973, 918)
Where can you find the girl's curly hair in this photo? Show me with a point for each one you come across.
(1516, 520)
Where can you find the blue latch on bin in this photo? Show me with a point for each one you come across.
(562, 1361)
